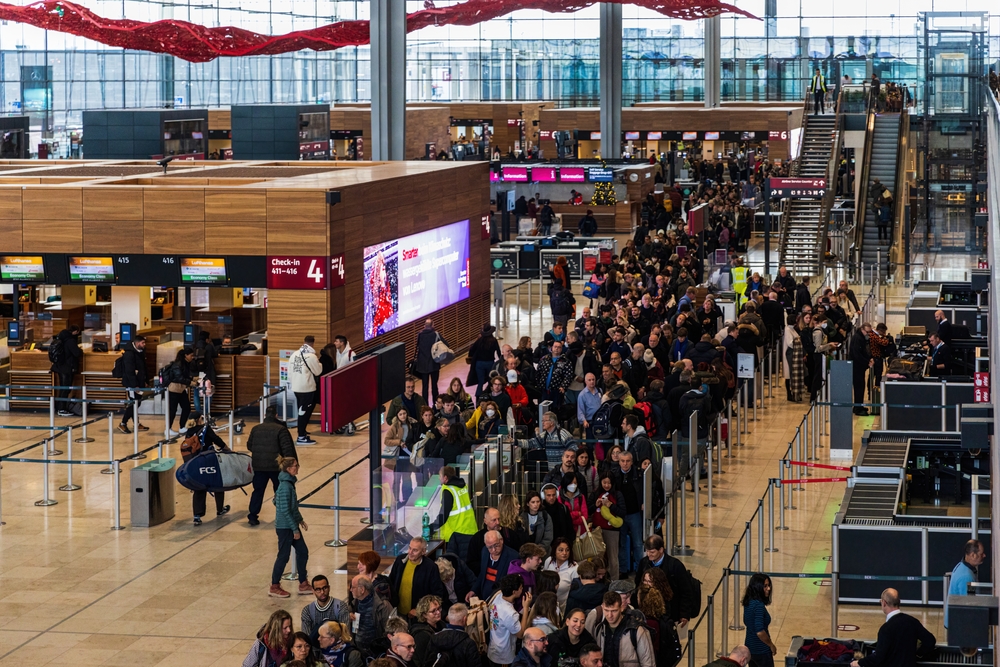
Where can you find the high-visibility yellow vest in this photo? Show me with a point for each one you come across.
(462, 518)
(739, 283)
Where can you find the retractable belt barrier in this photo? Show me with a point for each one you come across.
(336, 507)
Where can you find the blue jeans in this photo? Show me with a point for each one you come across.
(632, 528)
(483, 369)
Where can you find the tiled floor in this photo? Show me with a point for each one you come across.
(72, 591)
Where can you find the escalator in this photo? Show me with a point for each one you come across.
(884, 153)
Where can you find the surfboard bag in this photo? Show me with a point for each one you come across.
(213, 471)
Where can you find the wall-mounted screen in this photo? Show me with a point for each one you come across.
(689, 136)
(572, 174)
(631, 136)
(654, 136)
(22, 269)
(595, 136)
(543, 174)
(601, 175)
(203, 271)
(515, 174)
(414, 276)
(711, 136)
(91, 270)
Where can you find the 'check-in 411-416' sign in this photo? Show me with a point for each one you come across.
(798, 188)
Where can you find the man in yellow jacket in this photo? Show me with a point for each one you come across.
(818, 89)
(457, 517)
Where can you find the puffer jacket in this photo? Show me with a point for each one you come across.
(543, 529)
(286, 504)
(562, 374)
(267, 441)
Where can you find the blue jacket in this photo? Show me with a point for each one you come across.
(522, 659)
(484, 588)
(286, 504)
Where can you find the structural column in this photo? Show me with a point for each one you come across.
(611, 80)
(713, 62)
(388, 79)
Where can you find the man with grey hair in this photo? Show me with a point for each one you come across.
(495, 560)
(473, 555)
(454, 641)
(371, 613)
(413, 576)
(551, 441)
(401, 650)
(738, 657)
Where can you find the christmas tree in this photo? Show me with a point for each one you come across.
(604, 193)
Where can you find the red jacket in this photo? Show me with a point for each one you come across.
(577, 511)
(518, 396)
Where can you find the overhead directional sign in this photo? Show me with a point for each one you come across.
(798, 188)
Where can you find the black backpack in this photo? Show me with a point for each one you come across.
(695, 593)
(118, 370)
(607, 420)
(57, 352)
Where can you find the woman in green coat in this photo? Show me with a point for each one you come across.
(288, 524)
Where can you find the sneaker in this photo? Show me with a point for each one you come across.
(304, 440)
(170, 433)
(305, 588)
(123, 428)
(65, 413)
(197, 521)
(140, 427)
(276, 591)
(223, 511)
(253, 522)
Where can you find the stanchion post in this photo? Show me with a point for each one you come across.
(83, 437)
(802, 469)
(708, 463)
(167, 417)
(690, 647)
(111, 444)
(696, 483)
(710, 644)
(835, 581)
(718, 440)
(683, 549)
(336, 541)
(293, 575)
(51, 444)
(737, 623)
(263, 400)
(748, 540)
(729, 429)
(45, 501)
(135, 428)
(70, 486)
(231, 428)
(755, 394)
(781, 500)
(770, 514)
(117, 493)
(760, 534)
(724, 649)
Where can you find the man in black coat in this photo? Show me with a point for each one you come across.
(133, 377)
(940, 357)
(268, 440)
(943, 326)
(491, 521)
(68, 355)
(494, 560)
(860, 352)
(682, 605)
(898, 638)
(773, 314)
(425, 367)
(425, 579)
(453, 640)
(562, 524)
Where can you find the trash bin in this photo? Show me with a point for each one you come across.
(152, 493)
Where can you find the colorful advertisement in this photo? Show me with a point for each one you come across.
(91, 270)
(203, 271)
(414, 276)
(22, 269)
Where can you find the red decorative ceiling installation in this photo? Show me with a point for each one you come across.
(196, 43)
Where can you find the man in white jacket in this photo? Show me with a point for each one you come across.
(303, 369)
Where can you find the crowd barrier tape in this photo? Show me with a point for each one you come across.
(336, 507)
(815, 481)
(823, 466)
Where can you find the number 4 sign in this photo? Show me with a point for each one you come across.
(336, 271)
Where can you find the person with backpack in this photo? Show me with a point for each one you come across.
(131, 368)
(637, 441)
(505, 621)
(336, 647)
(452, 646)
(588, 224)
(324, 608)
(198, 437)
(273, 643)
(561, 303)
(65, 355)
(663, 633)
(424, 366)
(683, 605)
(268, 441)
(289, 524)
(303, 369)
(546, 216)
(635, 647)
(177, 377)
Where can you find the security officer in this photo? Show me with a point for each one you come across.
(739, 281)
(818, 88)
(457, 516)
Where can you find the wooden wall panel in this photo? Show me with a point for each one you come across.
(10, 219)
(236, 238)
(296, 206)
(54, 204)
(174, 204)
(113, 236)
(235, 205)
(308, 238)
(220, 119)
(174, 236)
(292, 315)
(67, 236)
(123, 203)
(425, 126)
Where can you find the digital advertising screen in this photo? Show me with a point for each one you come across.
(515, 174)
(572, 174)
(203, 271)
(543, 174)
(91, 270)
(414, 276)
(22, 269)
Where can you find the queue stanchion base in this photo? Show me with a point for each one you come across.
(335, 543)
(46, 503)
(70, 487)
(84, 440)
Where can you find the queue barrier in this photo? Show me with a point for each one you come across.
(336, 507)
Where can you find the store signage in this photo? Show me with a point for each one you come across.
(595, 136)
(982, 388)
(780, 135)
(297, 272)
(572, 175)
(336, 271)
(744, 366)
(654, 136)
(982, 264)
(711, 136)
(515, 174)
(543, 174)
(22, 268)
(798, 188)
(631, 136)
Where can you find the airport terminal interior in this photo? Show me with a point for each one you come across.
(340, 300)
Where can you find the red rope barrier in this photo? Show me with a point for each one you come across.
(818, 465)
(196, 43)
(814, 481)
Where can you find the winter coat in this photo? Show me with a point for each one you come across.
(394, 436)
(457, 643)
(396, 404)
(133, 367)
(639, 655)
(543, 529)
(577, 507)
(425, 341)
(71, 354)
(702, 352)
(267, 441)
(562, 374)
(286, 504)
(303, 369)
(426, 580)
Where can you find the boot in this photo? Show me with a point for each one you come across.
(788, 391)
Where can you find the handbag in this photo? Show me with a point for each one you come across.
(441, 353)
(589, 545)
(591, 290)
